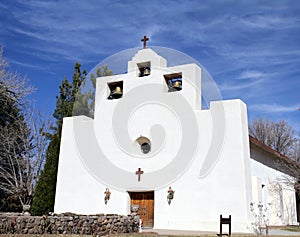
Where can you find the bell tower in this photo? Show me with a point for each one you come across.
(150, 138)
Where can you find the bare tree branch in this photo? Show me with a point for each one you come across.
(13, 85)
(23, 136)
(280, 137)
(277, 135)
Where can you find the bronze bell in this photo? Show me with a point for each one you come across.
(176, 85)
(117, 92)
(147, 71)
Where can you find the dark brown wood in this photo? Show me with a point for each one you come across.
(138, 173)
(145, 39)
(145, 200)
(225, 221)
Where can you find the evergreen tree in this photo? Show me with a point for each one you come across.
(64, 104)
(43, 201)
(100, 72)
(71, 101)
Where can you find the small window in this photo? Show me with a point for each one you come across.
(145, 144)
(174, 81)
(115, 90)
(144, 69)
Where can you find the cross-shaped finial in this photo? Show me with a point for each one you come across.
(145, 39)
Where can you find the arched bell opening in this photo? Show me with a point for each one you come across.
(144, 69)
(145, 144)
(174, 81)
(115, 90)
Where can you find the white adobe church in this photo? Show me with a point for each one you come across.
(149, 137)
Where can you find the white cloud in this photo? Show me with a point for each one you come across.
(247, 79)
(274, 108)
(270, 21)
(2, 5)
(88, 27)
(240, 86)
(250, 47)
(252, 74)
(27, 65)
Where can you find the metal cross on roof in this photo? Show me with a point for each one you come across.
(145, 39)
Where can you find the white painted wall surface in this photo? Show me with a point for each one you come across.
(199, 200)
(279, 197)
(77, 191)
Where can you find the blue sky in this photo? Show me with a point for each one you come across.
(251, 48)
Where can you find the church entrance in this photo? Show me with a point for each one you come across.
(145, 200)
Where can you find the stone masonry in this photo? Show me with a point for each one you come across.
(69, 223)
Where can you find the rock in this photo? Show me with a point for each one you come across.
(67, 224)
(69, 214)
(30, 225)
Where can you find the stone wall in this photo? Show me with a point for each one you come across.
(69, 224)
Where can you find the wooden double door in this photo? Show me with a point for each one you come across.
(145, 200)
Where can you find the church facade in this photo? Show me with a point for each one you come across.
(151, 148)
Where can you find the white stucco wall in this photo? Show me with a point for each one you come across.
(198, 201)
(201, 195)
(273, 193)
(77, 190)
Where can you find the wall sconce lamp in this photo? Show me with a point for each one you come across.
(107, 195)
(170, 195)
